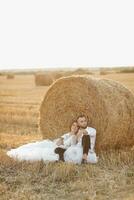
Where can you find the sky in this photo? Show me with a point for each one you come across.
(66, 33)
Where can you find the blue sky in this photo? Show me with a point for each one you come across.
(66, 33)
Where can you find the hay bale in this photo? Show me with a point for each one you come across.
(103, 72)
(43, 79)
(108, 104)
(10, 76)
(79, 71)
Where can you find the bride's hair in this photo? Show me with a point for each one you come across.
(74, 121)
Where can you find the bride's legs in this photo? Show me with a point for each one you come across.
(86, 145)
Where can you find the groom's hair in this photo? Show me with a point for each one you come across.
(80, 116)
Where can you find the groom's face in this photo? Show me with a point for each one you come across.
(82, 122)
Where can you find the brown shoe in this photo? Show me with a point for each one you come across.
(84, 161)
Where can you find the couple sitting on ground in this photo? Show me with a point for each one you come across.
(76, 146)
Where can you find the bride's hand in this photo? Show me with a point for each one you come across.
(82, 132)
(79, 134)
(85, 132)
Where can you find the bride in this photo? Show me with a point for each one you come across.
(45, 149)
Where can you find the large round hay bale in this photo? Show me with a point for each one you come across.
(43, 79)
(108, 104)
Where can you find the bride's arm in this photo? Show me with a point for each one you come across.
(70, 141)
(73, 140)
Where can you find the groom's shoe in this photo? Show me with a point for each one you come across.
(84, 161)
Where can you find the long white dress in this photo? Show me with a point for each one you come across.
(44, 150)
(75, 152)
(35, 151)
(40, 150)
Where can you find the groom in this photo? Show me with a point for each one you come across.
(88, 135)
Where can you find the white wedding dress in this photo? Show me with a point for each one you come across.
(44, 150)
(75, 152)
(35, 151)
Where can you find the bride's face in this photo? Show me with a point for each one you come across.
(74, 128)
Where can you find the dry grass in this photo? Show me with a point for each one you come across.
(127, 70)
(19, 105)
(112, 178)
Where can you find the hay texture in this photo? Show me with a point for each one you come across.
(108, 105)
(45, 79)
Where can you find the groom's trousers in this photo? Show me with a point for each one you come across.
(60, 151)
(86, 144)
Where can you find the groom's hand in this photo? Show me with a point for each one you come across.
(85, 132)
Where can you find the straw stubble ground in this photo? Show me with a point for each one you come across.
(111, 178)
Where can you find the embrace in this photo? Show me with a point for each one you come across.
(77, 146)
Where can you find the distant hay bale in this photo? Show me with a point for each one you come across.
(127, 70)
(103, 72)
(81, 71)
(108, 104)
(10, 76)
(43, 79)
